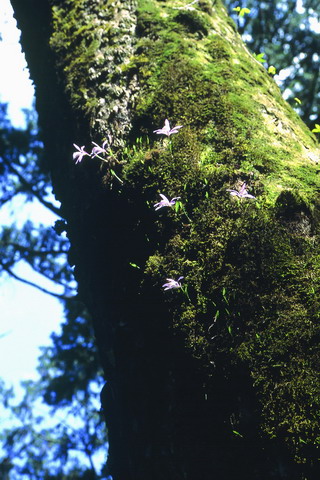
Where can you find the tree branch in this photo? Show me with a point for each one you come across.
(28, 282)
(30, 188)
(38, 253)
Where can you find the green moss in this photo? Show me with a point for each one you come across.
(251, 267)
(246, 280)
(218, 48)
(193, 21)
(75, 45)
(284, 372)
(149, 20)
(206, 86)
(154, 266)
(250, 297)
(290, 203)
(206, 6)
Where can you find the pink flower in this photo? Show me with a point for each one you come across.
(165, 202)
(166, 130)
(171, 283)
(97, 150)
(242, 193)
(78, 156)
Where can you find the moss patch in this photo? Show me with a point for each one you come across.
(250, 293)
(249, 266)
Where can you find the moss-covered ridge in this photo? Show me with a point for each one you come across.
(189, 64)
(251, 272)
(204, 77)
(250, 267)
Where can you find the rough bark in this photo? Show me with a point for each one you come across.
(219, 380)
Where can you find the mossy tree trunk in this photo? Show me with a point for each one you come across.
(219, 378)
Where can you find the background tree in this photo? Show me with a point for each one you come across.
(225, 365)
(287, 32)
(31, 446)
(62, 447)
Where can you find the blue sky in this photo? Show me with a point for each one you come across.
(27, 315)
(15, 84)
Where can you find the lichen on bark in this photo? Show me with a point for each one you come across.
(92, 42)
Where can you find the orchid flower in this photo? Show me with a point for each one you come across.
(172, 284)
(97, 150)
(166, 130)
(165, 202)
(242, 193)
(78, 156)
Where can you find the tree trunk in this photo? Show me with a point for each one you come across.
(218, 378)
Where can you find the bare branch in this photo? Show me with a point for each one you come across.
(38, 253)
(30, 188)
(28, 282)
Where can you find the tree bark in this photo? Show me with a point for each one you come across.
(219, 378)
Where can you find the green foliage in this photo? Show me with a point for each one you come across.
(272, 70)
(288, 37)
(18, 151)
(260, 57)
(242, 11)
(39, 443)
(72, 357)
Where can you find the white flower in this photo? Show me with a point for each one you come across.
(171, 283)
(78, 156)
(242, 193)
(165, 202)
(97, 150)
(166, 130)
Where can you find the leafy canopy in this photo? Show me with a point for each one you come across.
(288, 34)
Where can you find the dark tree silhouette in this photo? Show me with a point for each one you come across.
(70, 375)
(217, 377)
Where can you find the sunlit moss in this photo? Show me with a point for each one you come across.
(250, 267)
